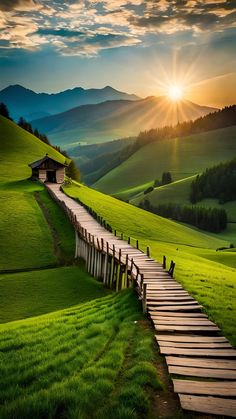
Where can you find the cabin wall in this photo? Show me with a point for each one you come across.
(42, 174)
(60, 175)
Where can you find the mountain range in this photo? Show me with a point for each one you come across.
(31, 105)
(115, 119)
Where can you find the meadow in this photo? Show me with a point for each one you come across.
(183, 157)
(209, 275)
(69, 347)
(66, 363)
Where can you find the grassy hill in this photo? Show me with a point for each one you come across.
(18, 149)
(116, 119)
(60, 364)
(178, 192)
(26, 240)
(208, 275)
(64, 364)
(183, 157)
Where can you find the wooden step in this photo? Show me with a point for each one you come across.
(220, 345)
(212, 405)
(176, 308)
(156, 314)
(229, 353)
(169, 299)
(171, 303)
(183, 322)
(202, 362)
(191, 338)
(203, 372)
(217, 388)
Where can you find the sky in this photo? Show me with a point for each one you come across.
(137, 46)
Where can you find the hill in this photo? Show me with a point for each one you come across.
(100, 350)
(25, 102)
(95, 160)
(183, 157)
(116, 119)
(18, 149)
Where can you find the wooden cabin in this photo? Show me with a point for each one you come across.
(48, 170)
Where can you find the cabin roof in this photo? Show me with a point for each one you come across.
(38, 163)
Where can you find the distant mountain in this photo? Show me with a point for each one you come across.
(31, 105)
(116, 119)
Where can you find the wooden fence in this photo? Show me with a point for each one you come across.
(107, 262)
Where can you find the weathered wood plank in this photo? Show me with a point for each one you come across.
(176, 308)
(170, 298)
(183, 322)
(196, 345)
(203, 372)
(156, 314)
(191, 338)
(229, 353)
(171, 303)
(212, 405)
(175, 328)
(225, 388)
(202, 362)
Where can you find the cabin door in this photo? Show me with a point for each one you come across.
(51, 176)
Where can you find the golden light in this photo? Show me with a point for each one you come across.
(175, 92)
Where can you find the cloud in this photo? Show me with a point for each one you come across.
(89, 26)
(20, 5)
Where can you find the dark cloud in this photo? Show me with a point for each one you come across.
(8, 5)
(65, 33)
(171, 16)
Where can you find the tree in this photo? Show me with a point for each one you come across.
(166, 178)
(4, 111)
(72, 171)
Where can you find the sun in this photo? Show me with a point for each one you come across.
(175, 92)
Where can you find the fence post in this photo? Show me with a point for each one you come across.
(144, 298)
(148, 251)
(164, 262)
(137, 244)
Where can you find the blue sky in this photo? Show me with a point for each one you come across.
(135, 46)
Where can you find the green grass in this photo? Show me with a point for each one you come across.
(28, 294)
(18, 149)
(183, 157)
(179, 192)
(26, 240)
(92, 361)
(207, 274)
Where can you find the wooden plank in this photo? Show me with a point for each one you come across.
(203, 372)
(212, 405)
(167, 303)
(178, 328)
(220, 345)
(170, 298)
(198, 352)
(156, 314)
(225, 388)
(183, 322)
(171, 293)
(176, 308)
(202, 362)
(191, 338)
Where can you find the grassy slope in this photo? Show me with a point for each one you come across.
(61, 364)
(18, 149)
(183, 157)
(212, 283)
(41, 292)
(65, 364)
(179, 192)
(26, 240)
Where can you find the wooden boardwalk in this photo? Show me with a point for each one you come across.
(192, 344)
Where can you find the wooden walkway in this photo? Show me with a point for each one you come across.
(191, 343)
